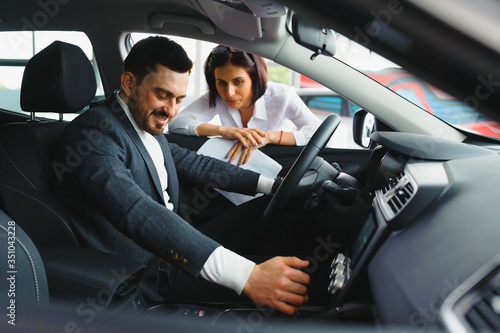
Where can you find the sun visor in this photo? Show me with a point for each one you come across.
(241, 18)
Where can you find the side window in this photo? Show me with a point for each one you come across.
(198, 51)
(18, 47)
(325, 104)
(353, 107)
(320, 100)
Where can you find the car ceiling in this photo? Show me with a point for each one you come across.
(413, 38)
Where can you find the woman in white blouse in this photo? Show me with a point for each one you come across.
(251, 110)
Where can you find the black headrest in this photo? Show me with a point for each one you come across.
(60, 78)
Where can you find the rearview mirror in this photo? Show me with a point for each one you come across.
(312, 36)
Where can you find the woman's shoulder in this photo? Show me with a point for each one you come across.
(199, 105)
(275, 89)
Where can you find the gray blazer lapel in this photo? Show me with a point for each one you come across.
(117, 110)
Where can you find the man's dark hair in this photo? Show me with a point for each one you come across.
(148, 53)
(254, 65)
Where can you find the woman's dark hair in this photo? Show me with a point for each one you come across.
(254, 65)
(148, 53)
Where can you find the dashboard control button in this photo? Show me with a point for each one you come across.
(338, 269)
(336, 284)
(341, 259)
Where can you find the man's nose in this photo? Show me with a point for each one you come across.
(170, 107)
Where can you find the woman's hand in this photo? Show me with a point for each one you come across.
(249, 137)
(248, 141)
(237, 149)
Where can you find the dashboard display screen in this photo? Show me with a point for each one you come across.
(360, 242)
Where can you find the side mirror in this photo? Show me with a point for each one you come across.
(364, 124)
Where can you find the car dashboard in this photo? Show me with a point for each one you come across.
(429, 248)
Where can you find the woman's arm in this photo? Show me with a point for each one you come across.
(281, 138)
(304, 120)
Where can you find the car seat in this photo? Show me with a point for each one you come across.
(58, 79)
(26, 281)
(52, 82)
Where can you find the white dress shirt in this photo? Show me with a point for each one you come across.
(279, 109)
(223, 266)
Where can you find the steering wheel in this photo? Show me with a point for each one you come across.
(317, 142)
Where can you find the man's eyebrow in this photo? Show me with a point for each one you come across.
(162, 90)
(167, 92)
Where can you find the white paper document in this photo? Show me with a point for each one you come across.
(259, 162)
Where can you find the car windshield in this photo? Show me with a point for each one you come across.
(424, 95)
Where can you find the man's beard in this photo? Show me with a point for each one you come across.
(141, 119)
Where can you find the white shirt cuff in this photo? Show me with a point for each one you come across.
(227, 269)
(300, 139)
(192, 128)
(265, 185)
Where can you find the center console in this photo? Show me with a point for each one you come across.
(349, 268)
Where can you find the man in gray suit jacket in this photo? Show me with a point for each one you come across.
(121, 180)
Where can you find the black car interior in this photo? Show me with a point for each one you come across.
(421, 196)
(58, 79)
(52, 79)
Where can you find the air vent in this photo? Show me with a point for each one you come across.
(484, 315)
(475, 305)
(396, 195)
